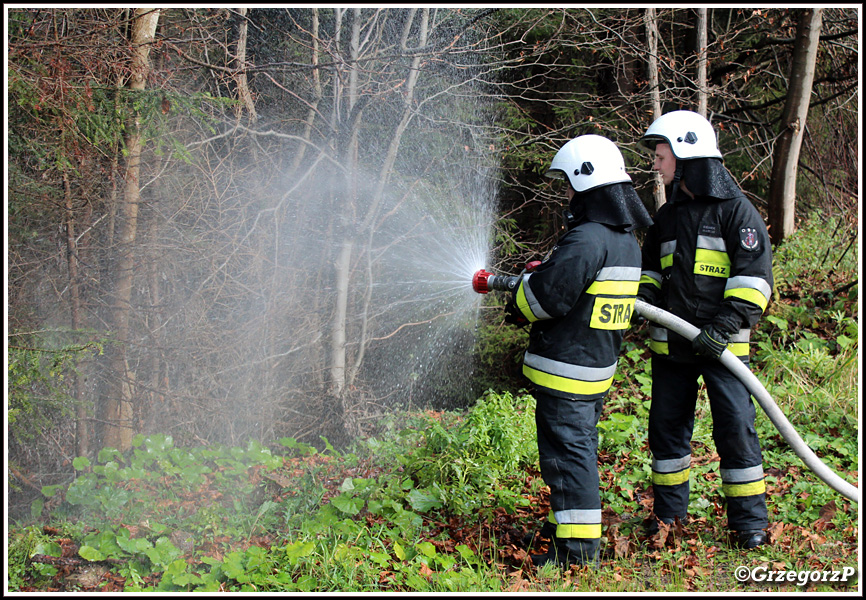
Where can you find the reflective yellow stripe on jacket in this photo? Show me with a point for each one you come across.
(615, 289)
(651, 277)
(739, 344)
(564, 377)
(527, 303)
(751, 289)
(711, 257)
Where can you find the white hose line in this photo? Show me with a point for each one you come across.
(760, 393)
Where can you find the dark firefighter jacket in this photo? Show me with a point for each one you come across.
(579, 301)
(707, 261)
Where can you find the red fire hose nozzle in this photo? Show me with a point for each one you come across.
(479, 281)
(483, 282)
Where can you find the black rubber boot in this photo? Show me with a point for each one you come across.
(546, 533)
(751, 538)
(651, 525)
(565, 552)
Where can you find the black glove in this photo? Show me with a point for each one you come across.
(636, 317)
(710, 342)
(514, 316)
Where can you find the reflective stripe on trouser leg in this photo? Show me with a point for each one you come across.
(568, 456)
(740, 459)
(572, 540)
(671, 421)
(576, 523)
(671, 486)
(744, 491)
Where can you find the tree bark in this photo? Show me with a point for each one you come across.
(343, 264)
(82, 431)
(786, 154)
(244, 92)
(652, 35)
(118, 403)
(702, 61)
(317, 91)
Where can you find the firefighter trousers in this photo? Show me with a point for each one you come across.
(568, 456)
(671, 423)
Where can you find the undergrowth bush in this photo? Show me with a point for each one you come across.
(499, 350)
(821, 246)
(471, 461)
(154, 473)
(807, 344)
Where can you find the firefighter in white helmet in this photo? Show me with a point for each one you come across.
(579, 302)
(706, 259)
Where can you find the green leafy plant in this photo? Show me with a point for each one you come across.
(469, 462)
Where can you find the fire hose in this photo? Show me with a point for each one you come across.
(760, 393)
(483, 282)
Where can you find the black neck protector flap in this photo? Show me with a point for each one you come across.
(708, 177)
(616, 205)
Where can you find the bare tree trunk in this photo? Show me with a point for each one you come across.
(627, 73)
(783, 179)
(156, 398)
(338, 324)
(317, 90)
(360, 237)
(82, 431)
(343, 265)
(652, 36)
(118, 411)
(702, 61)
(241, 59)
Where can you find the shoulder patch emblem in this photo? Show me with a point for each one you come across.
(749, 238)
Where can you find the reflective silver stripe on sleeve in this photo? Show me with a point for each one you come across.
(619, 274)
(561, 369)
(742, 336)
(659, 334)
(654, 275)
(534, 306)
(666, 248)
(744, 281)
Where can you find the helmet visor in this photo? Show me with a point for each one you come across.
(648, 143)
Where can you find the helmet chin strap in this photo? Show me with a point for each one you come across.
(678, 175)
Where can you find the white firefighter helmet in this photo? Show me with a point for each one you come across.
(589, 161)
(687, 133)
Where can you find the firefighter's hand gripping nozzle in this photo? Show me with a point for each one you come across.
(483, 282)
